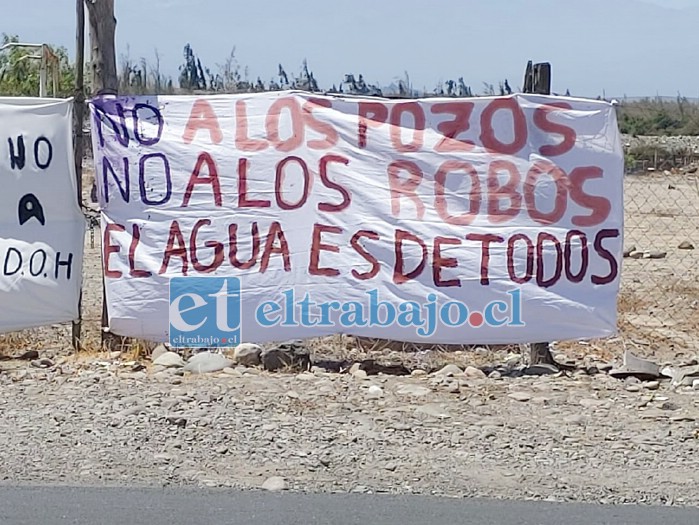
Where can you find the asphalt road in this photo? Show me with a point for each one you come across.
(112, 506)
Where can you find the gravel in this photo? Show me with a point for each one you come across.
(576, 438)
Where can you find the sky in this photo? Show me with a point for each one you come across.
(613, 48)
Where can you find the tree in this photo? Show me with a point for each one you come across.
(19, 75)
(192, 75)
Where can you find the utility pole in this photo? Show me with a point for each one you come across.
(78, 118)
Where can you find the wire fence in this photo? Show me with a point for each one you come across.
(658, 306)
(659, 300)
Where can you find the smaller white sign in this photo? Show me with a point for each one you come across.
(42, 228)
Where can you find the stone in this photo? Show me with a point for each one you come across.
(359, 374)
(158, 351)
(651, 385)
(655, 255)
(207, 362)
(686, 245)
(520, 396)
(274, 484)
(375, 392)
(42, 363)
(512, 360)
(634, 366)
(540, 370)
(682, 417)
(372, 368)
(593, 403)
(474, 373)
(418, 373)
(629, 251)
(633, 388)
(413, 390)
(432, 410)
(453, 387)
(247, 354)
(29, 355)
(695, 384)
(291, 355)
(495, 375)
(448, 371)
(169, 360)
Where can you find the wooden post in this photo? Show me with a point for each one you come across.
(103, 46)
(537, 79)
(78, 116)
(104, 81)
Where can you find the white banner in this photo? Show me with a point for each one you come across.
(41, 225)
(272, 216)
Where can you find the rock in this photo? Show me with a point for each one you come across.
(274, 484)
(412, 390)
(292, 355)
(541, 370)
(593, 403)
(669, 372)
(158, 351)
(512, 360)
(682, 417)
(247, 354)
(575, 419)
(29, 355)
(448, 371)
(654, 255)
(520, 396)
(651, 385)
(633, 388)
(359, 374)
(169, 360)
(636, 255)
(418, 373)
(629, 251)
(372, 368)
(375, 392)
(695, 384)
(474, 373)
(206, 362)
(636, 367)
(433, 410)
(495, 375)
(686, 245)
(453, 387)
(42, 363)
